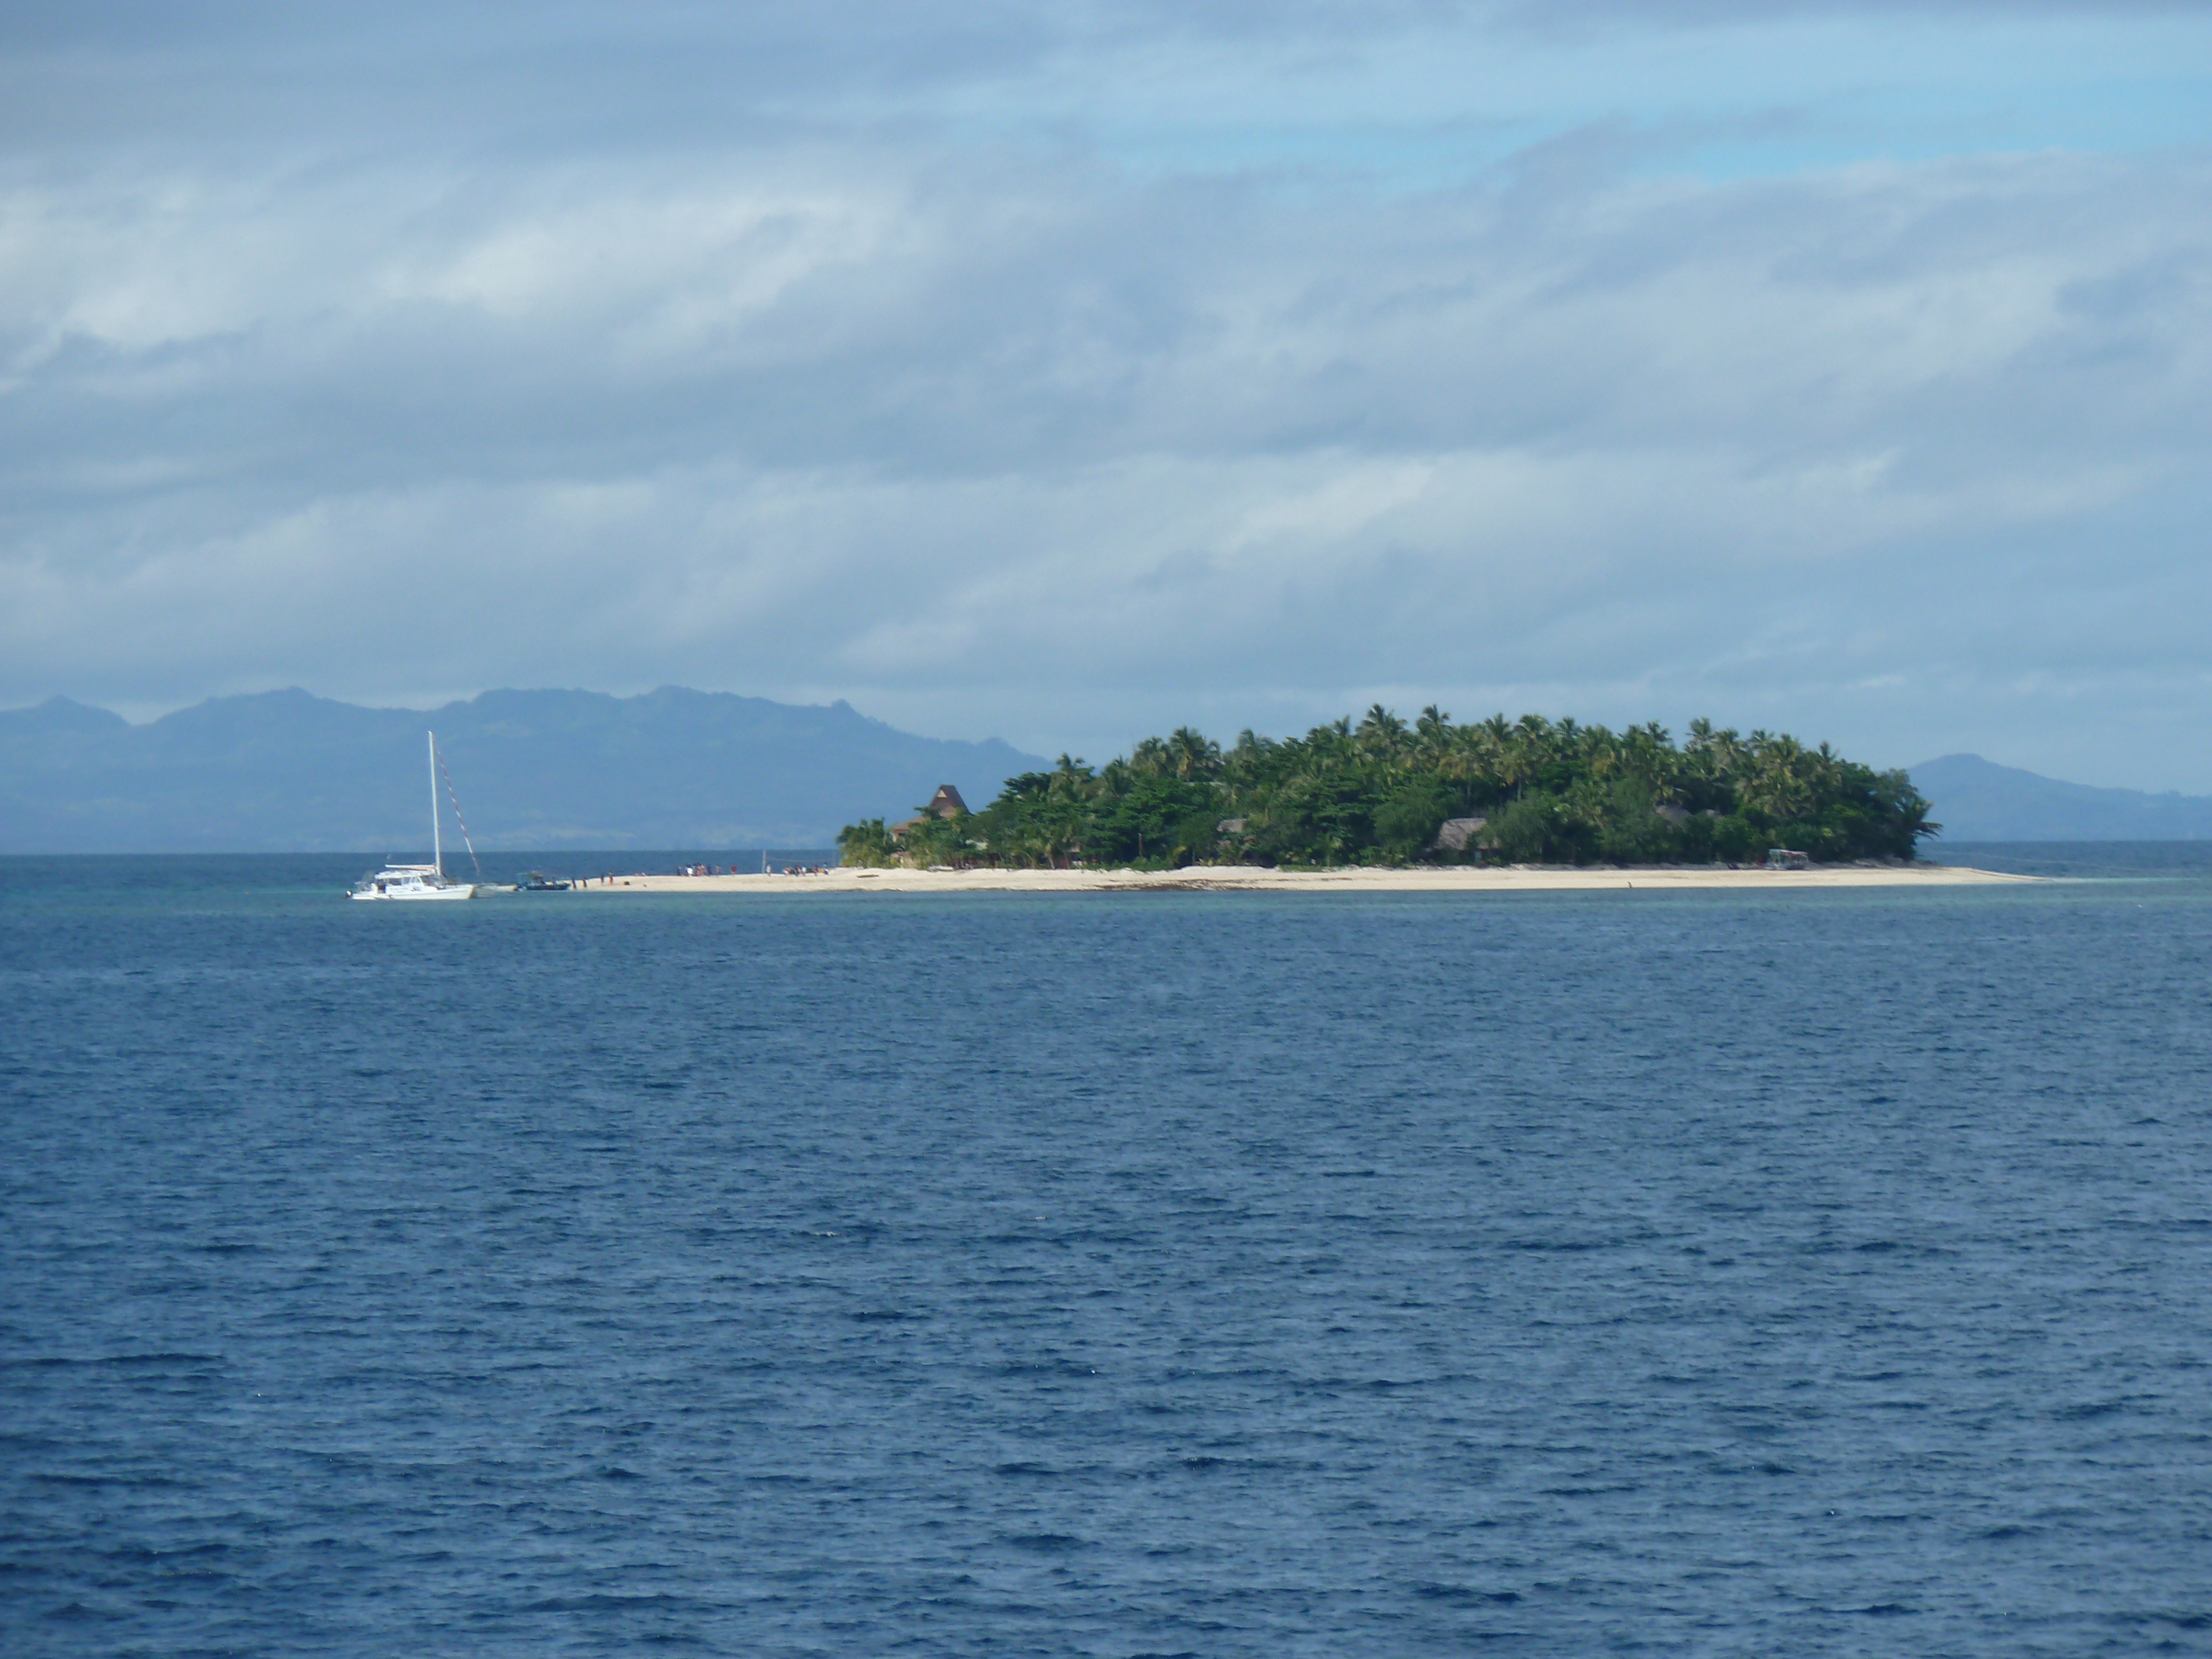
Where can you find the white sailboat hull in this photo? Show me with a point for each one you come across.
(456, 891)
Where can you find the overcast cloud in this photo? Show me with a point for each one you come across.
(1838, 370)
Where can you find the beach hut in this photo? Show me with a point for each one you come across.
(945, 804)
(1456, 833)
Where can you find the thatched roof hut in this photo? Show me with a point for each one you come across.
(1456, 833)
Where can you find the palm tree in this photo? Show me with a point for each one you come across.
(1071, 779)
(1382, 734)
(1434, 734)
(1523, 751)
(1192, 753)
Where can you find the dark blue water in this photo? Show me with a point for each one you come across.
(1813, 1272)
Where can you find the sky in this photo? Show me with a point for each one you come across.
(1066, 372)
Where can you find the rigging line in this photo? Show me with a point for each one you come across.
(458, 819)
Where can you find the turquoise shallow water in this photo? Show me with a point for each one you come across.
(1703, 1272)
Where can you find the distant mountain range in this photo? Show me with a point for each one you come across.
(1979, 800)
(288, 772)
(285, 771)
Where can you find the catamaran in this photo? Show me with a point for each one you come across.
(421, 881)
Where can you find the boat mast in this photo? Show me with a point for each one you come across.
(437, 856)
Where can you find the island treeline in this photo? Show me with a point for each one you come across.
(1530, 791)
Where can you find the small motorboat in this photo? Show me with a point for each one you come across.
(537, 881)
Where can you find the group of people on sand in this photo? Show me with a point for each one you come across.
(788, 870)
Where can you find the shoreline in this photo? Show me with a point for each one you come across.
(1254, 878)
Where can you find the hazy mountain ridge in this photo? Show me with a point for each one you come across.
(288, 771)
(1977, 799)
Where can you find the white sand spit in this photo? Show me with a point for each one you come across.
(1242, 879)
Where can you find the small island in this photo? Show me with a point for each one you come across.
(1385, 794)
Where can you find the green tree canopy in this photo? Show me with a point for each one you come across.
(1380, 791)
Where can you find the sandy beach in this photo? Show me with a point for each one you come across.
(1239, 878)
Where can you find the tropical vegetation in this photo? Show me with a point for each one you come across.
(1530, 791)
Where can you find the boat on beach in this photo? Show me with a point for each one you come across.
(418, 881)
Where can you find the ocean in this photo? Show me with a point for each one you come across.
(1220, 1274)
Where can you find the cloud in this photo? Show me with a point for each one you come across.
(996, 431)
